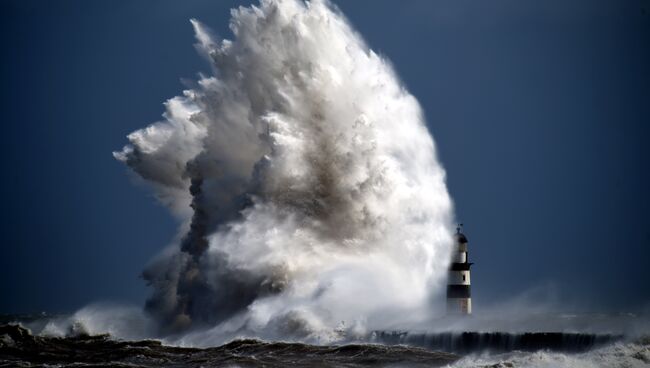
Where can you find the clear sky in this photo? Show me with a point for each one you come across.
(540, 110)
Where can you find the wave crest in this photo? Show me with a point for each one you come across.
(315, 192)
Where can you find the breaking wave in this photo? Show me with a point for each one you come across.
(305, 180)
(619, 355)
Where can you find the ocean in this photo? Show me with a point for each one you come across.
(22, 347)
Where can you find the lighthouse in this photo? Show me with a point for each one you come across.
(459, 299)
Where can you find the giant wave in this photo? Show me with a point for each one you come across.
(305, 180)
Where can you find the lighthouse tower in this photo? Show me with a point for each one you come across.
(459, 300)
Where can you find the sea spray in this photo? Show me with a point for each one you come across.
(306, 181)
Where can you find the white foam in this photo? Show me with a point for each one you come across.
(316, 184)
(623, 355)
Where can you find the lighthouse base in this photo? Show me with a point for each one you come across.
(459, 306)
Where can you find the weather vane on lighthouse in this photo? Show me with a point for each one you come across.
(459, 300)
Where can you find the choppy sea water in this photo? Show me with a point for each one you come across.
(633, 354)
(19, 347)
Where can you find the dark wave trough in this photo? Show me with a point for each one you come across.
(18, 347)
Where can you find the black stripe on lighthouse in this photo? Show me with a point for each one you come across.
(458, 291)
(460, 266)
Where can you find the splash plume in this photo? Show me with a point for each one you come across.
(305, 179)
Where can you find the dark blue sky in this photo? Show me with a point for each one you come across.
(540, 109)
